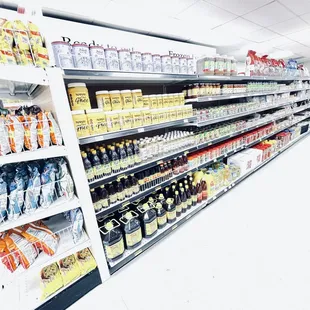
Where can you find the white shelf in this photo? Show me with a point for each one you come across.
(49, 152)
(59, 206)
(57, 224)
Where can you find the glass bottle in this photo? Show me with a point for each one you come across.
(189, 200)
(88, 168)
(194, 194)
(105, 161)
(183, 200)
(115, 161)
(178, 203)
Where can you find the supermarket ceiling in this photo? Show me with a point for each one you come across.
(278, 28)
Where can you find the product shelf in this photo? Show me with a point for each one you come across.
(250, 78)
(21, 80)
(94, 76)
(133, 131)
(234, 116)
(242, 95)
(147, 243)
(49, 152)
(168, 182)
(60, 205)
(159, 160)
(62, 227)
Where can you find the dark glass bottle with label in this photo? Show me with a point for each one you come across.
(199, 192)
(161, 215)
(95, 200)
(183, 200)
(178, 203)
(128, 188)
(171, 210)
(167, 193)
(149, 220)
(112, 194)
(194, 194)
(134, 184)
(105, 161)
(204, 190)
(120, 191)
(103, 196)
(130, 155)
(98, 169)
(123, 158)
(115, 163)
(88, 168)
(140, 177)
(188, 197)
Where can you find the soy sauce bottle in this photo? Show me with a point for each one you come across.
(134, 184)
(95, 200)
(88, 168)
(103, 196)
(178, 203)
(189, 200)
(98, 170)
(120, 191)
(115, 163)
(112, 194)
(130, 155)
(194, 194)
(161, 215)
(148, 220)
(183, 200)
(171, 210)
(104, 159)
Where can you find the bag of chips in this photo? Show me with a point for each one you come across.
(3, 198)
(21, 35)
(16, 134)
(43, 130)
(64, 185)
(4, 138)
(48, 178)
(40, 236)
(54, 129)
(85, 261)
(9, 260)
(35, 36)
(31, 137)
(22, 250)
(51, 280)
(69, 269)
(33, 188)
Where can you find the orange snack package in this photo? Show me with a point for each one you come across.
(40, 236)
(30, 132)
(16, 134)
(10, 262)
(22, 250)
(54, 129)
(43, 130)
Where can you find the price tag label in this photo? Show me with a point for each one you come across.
(186, 152)
(214, 198)
(140, 129)
(125, 204)
(159, 162)
(215, 160)
(138, 252)
(174, 227)
(233, 184)
(158, 188)
(98, 139)
(210, 143)
(172, 181)
(186, 121)
(225, 190)
(189, 216)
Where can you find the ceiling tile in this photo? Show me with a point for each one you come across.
(306, 17)
(261, 35)
(279, 41)
(270, 14)
(238, 26)
(239, 7)
(208, 15)
(289, 26)
(296, 48)
(301, 36)
(299, 7)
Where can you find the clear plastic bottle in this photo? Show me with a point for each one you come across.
(123, 158)
(105, 162)
(88, 168)
(98, 168)
(115, 163)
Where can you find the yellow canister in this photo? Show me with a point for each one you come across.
(176, 100)
(170, 100)
(147, 117)
(80, 123)
(125, 119)
(155, 116)
(173, 114)
(146, 102)
(96, 121)
(137, 98)
(181, 98)
(153, 101)
(78, 96)
(160, 101)
(113, 121)
(127, 102)
(165, 101)
(137, 118)
(116, 101)
(162, 115)
(180, 113)
(103, 100)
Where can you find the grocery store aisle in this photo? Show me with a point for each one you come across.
(248, 250)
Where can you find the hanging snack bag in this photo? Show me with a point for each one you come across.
(43, 130)
(4, 138)
(16, 197)
(55, 133)
(22, 250)
(35, 35)
(51, 280)
(16, 134)
(33, 188)
(40, 236)
(41, 56)
(3, 198)
(85, 261)
(64, 184)
(48, 178)
(6, 32)
(6, 55)
(69, 269)
(23, 57)
(77, 221)
(21, 35)
(9, 260)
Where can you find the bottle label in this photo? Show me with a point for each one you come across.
(137, 159)
(115, 249)
(107, 169)
(136, 189)
(113, 198)
(98, 171)
(189, 202)
(150, 228)
(131, 161)
(90, 174)
(204, 195)
(134, 237)
(194, 198)
(179, 208)
(97, 206)
(128, 192)
(184, 205)
(124, 163)
(115, 165)
(104, 203)
(162, 220)
(121, 196)
(171, 215)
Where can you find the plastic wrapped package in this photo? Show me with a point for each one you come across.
(55, 133)
(31, 136)
(4, 138)
(16, 134)
(33, 188)
(76, 218)
(85, 261)
(48, 178)
(9, 260)
(43, 130)
(69, 269)
(64, 185)
(51, 280)
(3, 198)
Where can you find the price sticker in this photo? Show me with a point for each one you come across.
(158, 188)
(210, 143)
(174, 227)
(215, 160)
(160, 162)
(140, 129)
(189, 216)
(186, 121)
(138, 252)
(233, 184)
(186, 152)
(225, 190)
(125, 204)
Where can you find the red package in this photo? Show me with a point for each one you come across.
(9, 260)
(251, 63)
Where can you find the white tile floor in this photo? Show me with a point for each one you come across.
(249, 250)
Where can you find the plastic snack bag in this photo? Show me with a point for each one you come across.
(35, 36)
(69, 269)
(40, 236)
(85, 261)
(51, 280)
(33, 189)
(64, 185)
(77, 221)
(16, 134)
(41, 56)
(48, 178)
(20, 35)
(3, 198)
(54, 129)
(6, 32)
(4, 138)
(30, 127)
(43, 130)
(9, 260)
(23, 251)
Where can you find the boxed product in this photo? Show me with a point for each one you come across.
(51, 280)
(255, 154)
(69, 269)
(241, 160)
(85, 261)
